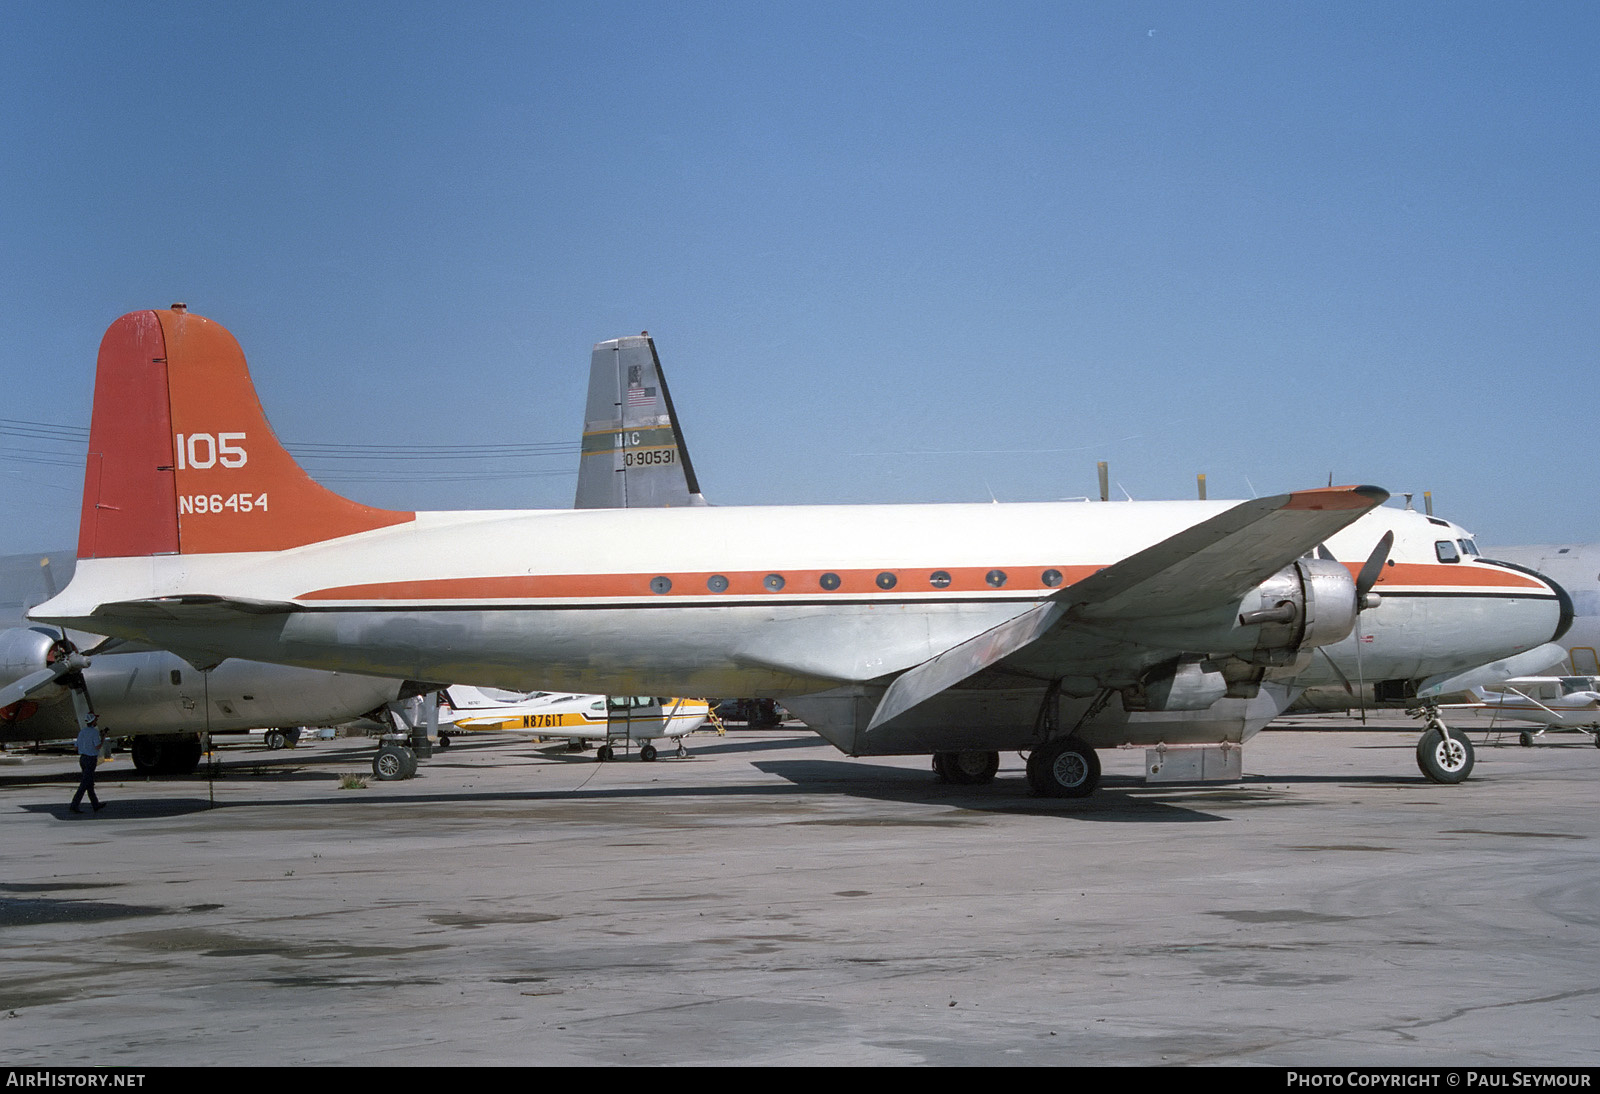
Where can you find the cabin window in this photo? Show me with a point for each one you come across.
(177, 677)
(717, 583)
(939, 579)
(661, 584)
(829, 582)
(1446, 551)
(995, 578)
(1051, 578)
(772, 583)
(886, 580)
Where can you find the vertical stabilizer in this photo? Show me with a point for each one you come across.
(633, 451)
(181, 458)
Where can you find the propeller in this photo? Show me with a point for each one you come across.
(64, 661)
(1371, 571)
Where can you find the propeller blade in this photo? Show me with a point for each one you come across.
(1373, 569)
(27, 685)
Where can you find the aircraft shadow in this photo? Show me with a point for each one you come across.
(1113, 802)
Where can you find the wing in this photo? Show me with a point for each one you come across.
(1202, 569)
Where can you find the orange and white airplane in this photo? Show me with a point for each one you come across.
(947, 629)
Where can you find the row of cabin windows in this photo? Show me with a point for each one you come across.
(938, 579)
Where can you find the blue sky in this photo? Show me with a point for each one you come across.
(889, 252)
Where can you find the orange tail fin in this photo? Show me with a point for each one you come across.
(181, 458)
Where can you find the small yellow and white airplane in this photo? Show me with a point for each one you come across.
(956, 630)
(577, 719)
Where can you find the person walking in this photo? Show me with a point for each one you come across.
(89, 744)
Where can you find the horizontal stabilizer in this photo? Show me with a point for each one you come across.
(192, 609)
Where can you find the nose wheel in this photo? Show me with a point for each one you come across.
(1443, 756)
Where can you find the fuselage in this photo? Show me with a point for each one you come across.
(761, 601)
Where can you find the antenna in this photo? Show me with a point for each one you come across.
(1200, 485)
(1105, 481)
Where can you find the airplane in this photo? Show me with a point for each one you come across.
(1394, 660)
(1051, 628)
(1550, 702)
(153, 697)
(577, 719)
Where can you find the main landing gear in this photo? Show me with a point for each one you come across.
(1065, 767)
(394, 761)
(1444, 757)
(966, 768)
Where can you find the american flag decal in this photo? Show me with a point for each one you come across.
(638, 394)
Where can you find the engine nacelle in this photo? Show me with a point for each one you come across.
(1308, 604)
(25, 651)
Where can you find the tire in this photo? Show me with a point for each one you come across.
(389, 765)
(970, 768)
(1525, 739)
(1445, 760)
(147, 755)
(603, 754)
(183, 757)
(444, 741)
(410, 756)
(275, 739)
(647, 753)
(1064, 768)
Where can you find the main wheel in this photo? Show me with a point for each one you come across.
(390, 763)
(1445, 759)
(1525, 739)
(603, 754)
(147, 755)
(183, 757)
(275, 739)
(647, 752)
(972, 768)
(444, 740)
(1064, 768)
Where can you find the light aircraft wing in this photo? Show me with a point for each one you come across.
(1206, 567)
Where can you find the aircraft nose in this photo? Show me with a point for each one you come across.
(1564, 602)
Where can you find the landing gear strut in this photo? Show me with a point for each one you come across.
(1442, 756)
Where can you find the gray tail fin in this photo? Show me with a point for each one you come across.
(633, 451)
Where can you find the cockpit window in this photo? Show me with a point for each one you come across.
(1469, 547)
(1446, 551)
